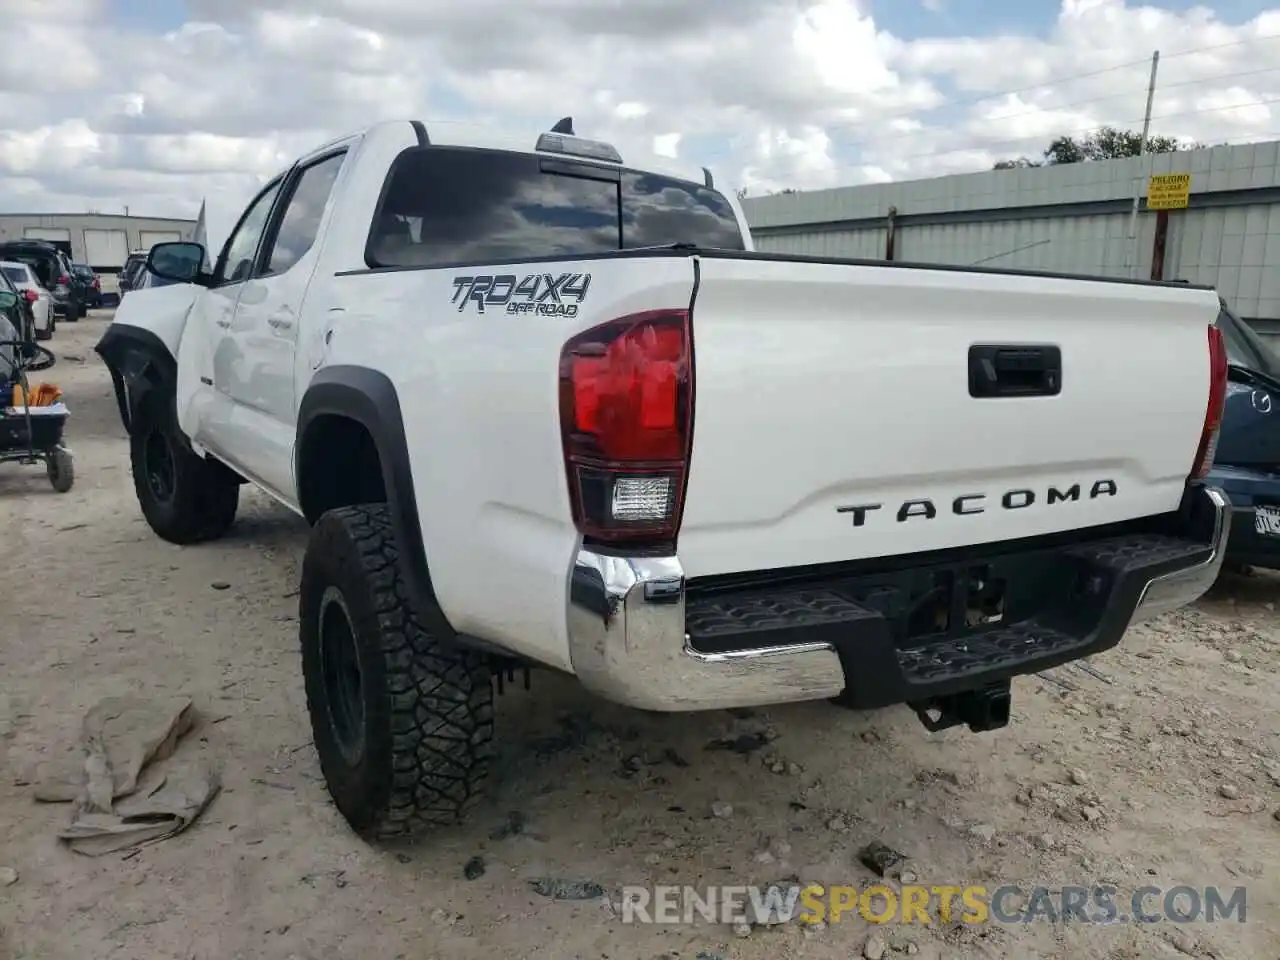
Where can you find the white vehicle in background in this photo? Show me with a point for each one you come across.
(24, 281)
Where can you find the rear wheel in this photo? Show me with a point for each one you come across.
(62, 470)
(402, 719)
(185, 498)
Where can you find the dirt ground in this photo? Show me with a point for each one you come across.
(1168, 774)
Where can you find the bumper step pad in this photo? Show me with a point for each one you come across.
(882, 659)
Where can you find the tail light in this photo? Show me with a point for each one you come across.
(626, 420)
(64, 281)
(1213, 412)
(97, 283)
(31, 296)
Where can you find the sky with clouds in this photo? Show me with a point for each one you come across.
(155, 104)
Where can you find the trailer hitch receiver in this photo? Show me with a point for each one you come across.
(983, 709)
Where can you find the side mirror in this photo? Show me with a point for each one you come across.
(8, 299)
(179, 262)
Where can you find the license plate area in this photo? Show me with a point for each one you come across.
(959, 600)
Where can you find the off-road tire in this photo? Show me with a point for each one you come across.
(201, 500)
(418, 756)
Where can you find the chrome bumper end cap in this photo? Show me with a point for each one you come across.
(627, 643)
(1168, 592)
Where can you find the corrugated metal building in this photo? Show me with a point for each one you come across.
(1072, 218)
(101, 240)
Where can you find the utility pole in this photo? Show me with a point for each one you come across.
(1142, 152)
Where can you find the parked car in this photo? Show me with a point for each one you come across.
(39, 301)
(79, 287)
(52, 269)
(493, 414)
(19, 314)
(148, 279)
(93, 284)
(1247, 461)
(130, 272)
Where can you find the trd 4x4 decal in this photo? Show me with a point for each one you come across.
(541, 293)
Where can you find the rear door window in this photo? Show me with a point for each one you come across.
(444, 205)
(300, 224)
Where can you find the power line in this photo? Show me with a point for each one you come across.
(1144, 62)
(878, 141)
(990, 146)
(1128, 93)
(1072, 78)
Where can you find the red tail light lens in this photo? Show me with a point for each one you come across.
(1213, 412)
(97, 283)
(626, 420)
(31, 295)
(64, 281)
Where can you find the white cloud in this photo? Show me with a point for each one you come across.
(666, 145)
(769, 93)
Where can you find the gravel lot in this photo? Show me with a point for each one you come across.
(1168, 775)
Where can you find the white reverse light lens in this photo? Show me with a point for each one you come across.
(641, 498)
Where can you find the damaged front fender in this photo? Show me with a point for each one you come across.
(140, 347)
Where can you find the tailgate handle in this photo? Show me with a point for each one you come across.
(1014, 370)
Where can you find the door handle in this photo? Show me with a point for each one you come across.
(1014, 370)
(280, 323)
(224, 324)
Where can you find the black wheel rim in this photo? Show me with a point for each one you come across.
(157, 456)
(340, 670)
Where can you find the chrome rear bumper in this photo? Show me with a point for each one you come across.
(628, 643)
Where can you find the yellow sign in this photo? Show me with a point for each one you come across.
(1169, 191)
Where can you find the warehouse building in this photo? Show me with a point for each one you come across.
(1220, 222)
(103, 241)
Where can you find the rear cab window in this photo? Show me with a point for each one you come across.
(455, 205)
(17, 274)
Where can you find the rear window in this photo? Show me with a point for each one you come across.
(1246, 348)
(42, 267)
(445, 205)
(17, 274)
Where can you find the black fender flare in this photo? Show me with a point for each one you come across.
(139, 363)
(369, 398)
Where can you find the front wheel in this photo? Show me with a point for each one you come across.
(185, 498)
(402, 719)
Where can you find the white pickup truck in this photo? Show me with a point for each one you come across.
(542, 407)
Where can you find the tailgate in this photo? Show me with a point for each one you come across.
(833, 418)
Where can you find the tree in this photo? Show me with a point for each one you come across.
(1107, 143)
(1019, 164)
(742, 193)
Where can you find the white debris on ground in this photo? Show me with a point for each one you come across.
(1160, 767)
